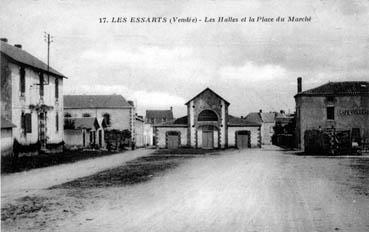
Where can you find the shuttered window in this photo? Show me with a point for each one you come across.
(56, 88)
(22, 82)
(57, 121)
(26, 123)
(330, 113)
(41, 75)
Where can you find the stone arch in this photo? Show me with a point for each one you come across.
(207, 116)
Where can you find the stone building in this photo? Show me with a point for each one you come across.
(111, 111)
(31, 99)
(267, 120)
(338, 105)
(208, 125)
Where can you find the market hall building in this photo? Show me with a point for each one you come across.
(208, 125)
(338, 105)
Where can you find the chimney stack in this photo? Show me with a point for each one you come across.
(260, 111)
(18, 46)
(299, 84)
(4, 40)
(171, 108)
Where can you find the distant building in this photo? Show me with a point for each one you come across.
(159, 116)
(140, 139)
(31, 99)
(154, 117)
(208, 125)
(267, 121)
(338, 105)
(112, 112)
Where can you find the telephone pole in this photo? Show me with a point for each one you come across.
(48, 39)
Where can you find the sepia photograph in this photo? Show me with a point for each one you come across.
(184, 115)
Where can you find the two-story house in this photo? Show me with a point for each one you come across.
(31, 99)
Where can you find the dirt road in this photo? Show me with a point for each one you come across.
(249, 190)
(22, 184)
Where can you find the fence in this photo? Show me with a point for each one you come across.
(328, 142)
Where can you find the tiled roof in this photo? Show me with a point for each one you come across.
(6, 123)
(95, 101)
(182, 121)
(338, 88)
(159, 114)
(82, 123)
(25, 58)
(235, 121)
(268, 117)
(208, 89)
(254, 117)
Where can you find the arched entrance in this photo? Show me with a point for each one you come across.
(243, 139)
(207, 130)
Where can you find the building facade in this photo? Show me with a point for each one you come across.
(112, 112)
(31, 98)
(267, 121)
(337, 105)
(208, 125)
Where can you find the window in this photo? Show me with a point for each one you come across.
(41, 75)
(330, 99)
(67, 115)
(330, 113)
(106, 120)
(86, 115)
(26, 123)
(207, 115)
(57, 121)
(22, 74)
(56, 88)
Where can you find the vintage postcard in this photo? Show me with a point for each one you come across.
(214, 115)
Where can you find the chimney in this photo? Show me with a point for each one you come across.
(171, 108)
(4, 40)
(299, 84)
(260, 111)
(18, 46)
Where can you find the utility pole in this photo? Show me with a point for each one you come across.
(48, 39)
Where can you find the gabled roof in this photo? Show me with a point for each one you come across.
(267, 117)
(5, 123)
(236, 121)
(21, 56)
(81, 123)
(95, 101)
(254, 117)
(208, 89)
(159, 114)
(338, 88)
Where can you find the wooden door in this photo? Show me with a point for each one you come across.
(173, 141)
(207, 140)
(242, 141)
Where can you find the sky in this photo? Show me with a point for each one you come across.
(158, 65)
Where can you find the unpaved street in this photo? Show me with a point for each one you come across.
(248, 190)
(21, 184)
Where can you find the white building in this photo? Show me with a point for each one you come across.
(208, 125)
(31, 99)
(113, 112)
